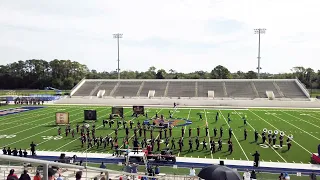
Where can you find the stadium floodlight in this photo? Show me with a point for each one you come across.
(259, 32)
(118, 36)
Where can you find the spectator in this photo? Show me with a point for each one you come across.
(192, 172)
(4, 150)
(12, 175)
(78, 175)
(15, 152)
(253, 175)
(157, 170)
(37, 176)
(128, 168)
(313, 176)
(51, 174)
(281, 176)
(134, 168)
(59, 178)
(286, 176)
(102, 166)
(25, 176)
(246, 175)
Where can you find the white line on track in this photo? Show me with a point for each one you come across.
(234, 136)
(300, 119)
(278, 128)
(37, 133)
(266, 141)
(296, 127)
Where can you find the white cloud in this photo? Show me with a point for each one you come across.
(184, 35)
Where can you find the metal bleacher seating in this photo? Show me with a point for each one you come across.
(128, 88)
(250, 89)
(159, 87)
(239, 89)
(205, 86)
(86, 88)
(263, 86)
(107, 86)
(181, 89)
(291, 89)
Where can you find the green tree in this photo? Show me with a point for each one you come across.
(220, 72)
(161, 74)
(251, 75)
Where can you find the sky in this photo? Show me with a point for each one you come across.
(183, 35)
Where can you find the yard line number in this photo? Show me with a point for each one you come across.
(7, 136)
(51, 137)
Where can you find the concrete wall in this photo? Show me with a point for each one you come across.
(193, 102)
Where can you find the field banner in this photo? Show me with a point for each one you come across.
(62, 118)
(118, 111)
(138, 110)
(90, 115)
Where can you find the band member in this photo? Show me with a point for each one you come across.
(215, 132)
(207, 131)
(182, 132)
(180, 144)
(158, 144)
(32, 148)
(135, 132)
(157, 115)
(245, 134)
(72, 133)
(281, 141)
(289, 145)
(190, 132)
(165, 132)
(131, 123)
(170, 131)
(197, 143)
(256, 136)
(198, 131)
(220, 144)
(269, 138)
(160, 133)
(212, 146)
(274, 138)
(190, 145)
(144, 131)
(173, 145)
(244, 120)
(77, 126)
(200, 116)
(263, 137)
(204, 144)
(151, 133)
(127, 131)
(217, 116)
(221, 131)
(230, 148)
(116, 132)
(167, 142)
(230, 132)
(229, 118)
(110, 123)
(59, 131)
(66, 131)
(140, 131)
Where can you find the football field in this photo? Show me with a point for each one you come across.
(38, 125)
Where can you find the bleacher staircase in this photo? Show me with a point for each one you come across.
(114, 89)
(166, 91)
(278, 89)
(255, 89)
(140, 88)
(95, 88)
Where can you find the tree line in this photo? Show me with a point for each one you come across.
(64, 74)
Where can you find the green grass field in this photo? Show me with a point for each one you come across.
(18, 130)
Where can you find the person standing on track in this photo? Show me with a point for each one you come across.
(256, 156)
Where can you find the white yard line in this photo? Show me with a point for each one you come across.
(234, 136)
(277, 128)
(296, 127)
(205, 115)
(301, 119)
(266, 141)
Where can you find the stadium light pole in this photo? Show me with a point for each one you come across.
(118, 36)
(259, 32)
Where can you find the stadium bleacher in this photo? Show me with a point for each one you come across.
(223, 88)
